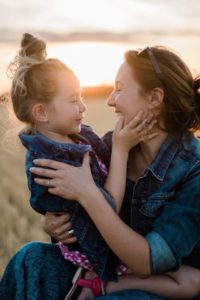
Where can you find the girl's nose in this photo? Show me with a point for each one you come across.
(111, 100)
(82, 106)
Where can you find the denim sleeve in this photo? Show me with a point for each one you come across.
(177, 230)
(162, 257)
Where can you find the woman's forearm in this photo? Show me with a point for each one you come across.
(129, 246)
(77, 184)
(162, 285)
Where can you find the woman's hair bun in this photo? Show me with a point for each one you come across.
(33, 47)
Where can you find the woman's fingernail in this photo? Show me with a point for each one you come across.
(35, 160)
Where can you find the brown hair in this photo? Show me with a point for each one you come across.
(181, 109)
(34, 78)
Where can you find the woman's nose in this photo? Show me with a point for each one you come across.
(111, 100)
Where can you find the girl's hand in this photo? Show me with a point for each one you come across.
(137, 130)
(58, 226)
(64, 180)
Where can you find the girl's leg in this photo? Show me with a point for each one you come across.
(37, 271)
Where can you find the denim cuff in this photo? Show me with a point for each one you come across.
(108, 198)
(162, 257)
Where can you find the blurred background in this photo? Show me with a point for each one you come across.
(90, 36)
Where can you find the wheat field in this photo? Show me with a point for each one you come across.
(19, 224)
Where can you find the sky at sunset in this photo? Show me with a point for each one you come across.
(91, 35)
(94, 15)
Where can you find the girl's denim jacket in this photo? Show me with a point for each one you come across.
(90, 242)
(164, 204)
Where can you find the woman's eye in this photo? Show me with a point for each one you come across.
(115, 90)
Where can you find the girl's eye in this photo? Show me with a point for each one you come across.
(74, 100)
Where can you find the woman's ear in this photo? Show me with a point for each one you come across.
(156, 98)
(39, 112)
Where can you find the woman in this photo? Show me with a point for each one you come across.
(164, 172)
(161, 204)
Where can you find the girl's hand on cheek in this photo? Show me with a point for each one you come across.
(137, 130)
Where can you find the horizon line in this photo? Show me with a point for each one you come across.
(7, 35)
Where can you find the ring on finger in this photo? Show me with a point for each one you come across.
(70, 232)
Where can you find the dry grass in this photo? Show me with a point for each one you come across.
(19, 223)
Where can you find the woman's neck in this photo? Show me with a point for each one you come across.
(54, 135)
(142, 155)
(149, 149)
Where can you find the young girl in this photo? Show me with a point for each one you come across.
(46, 96)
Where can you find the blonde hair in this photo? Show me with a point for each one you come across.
(181, 109)
(34, 77)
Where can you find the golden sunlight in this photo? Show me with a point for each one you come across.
(94, 63)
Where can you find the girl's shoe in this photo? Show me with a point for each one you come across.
(96, 285)
(77, 275)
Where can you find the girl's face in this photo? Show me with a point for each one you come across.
(127, 97)
(66, 110)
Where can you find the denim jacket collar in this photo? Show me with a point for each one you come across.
(36, 141)
(161, 163)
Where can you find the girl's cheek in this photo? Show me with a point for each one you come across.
(77, 110)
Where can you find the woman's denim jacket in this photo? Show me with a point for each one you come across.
(164, 204)
(90, 242)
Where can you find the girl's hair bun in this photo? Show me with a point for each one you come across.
(32, 53)
(33, 47)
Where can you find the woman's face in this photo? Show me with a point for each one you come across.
(127, 97)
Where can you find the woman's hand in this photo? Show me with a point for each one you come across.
(139, 129)
(58, 226)
(64, 180)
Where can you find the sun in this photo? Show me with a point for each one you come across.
(94, 63)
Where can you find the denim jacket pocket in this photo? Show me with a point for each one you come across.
(153, 206)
